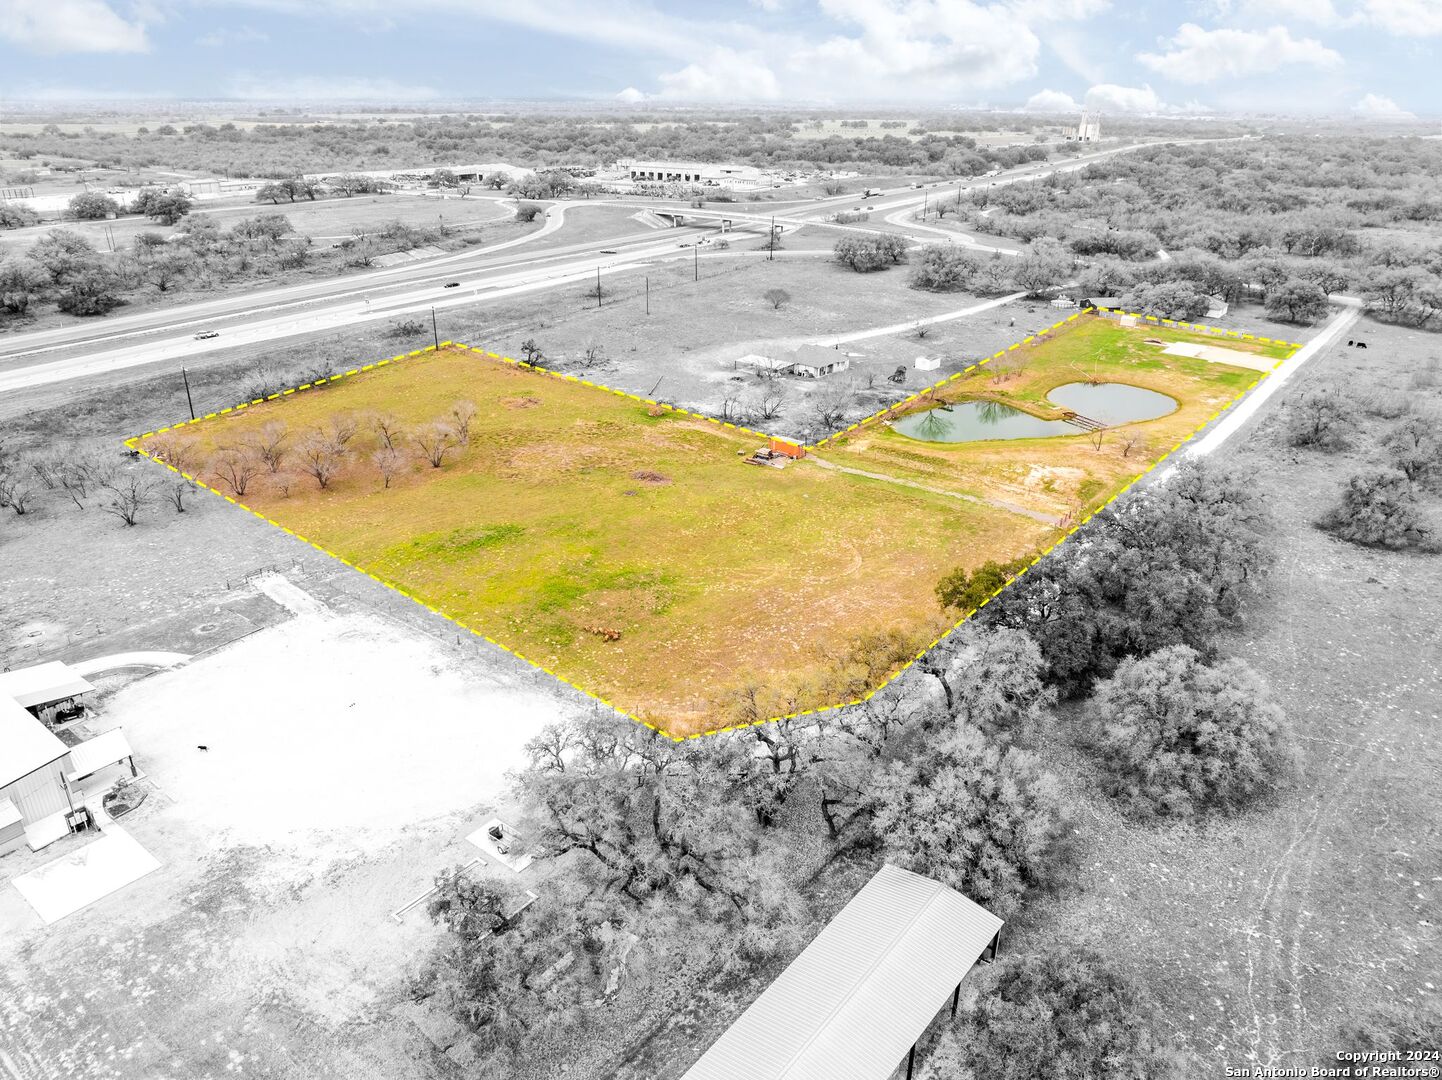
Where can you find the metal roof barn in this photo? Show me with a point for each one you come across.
(853, 1004)
(25, 743)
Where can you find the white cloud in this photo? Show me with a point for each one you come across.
(1319, 12)
(1202, 56)
(69, 26)
(1377, 107)
(1109, 97)
(902, 46)
(222, 37)
(1058, 10)
(1405, 18)
(1421, 18)
(1051, 101)
(254, 87)
(630, 96)
(722, 75)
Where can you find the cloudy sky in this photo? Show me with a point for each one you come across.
(1367, 57)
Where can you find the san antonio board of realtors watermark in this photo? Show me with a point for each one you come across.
(1354, 1063)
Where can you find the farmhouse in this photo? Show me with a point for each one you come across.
(807, 361)
(43, 790)
(858, 998)
(817, 361)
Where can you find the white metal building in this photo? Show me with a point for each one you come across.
(44, 782)
(691, 172)
(32, 773)
(856, 1000)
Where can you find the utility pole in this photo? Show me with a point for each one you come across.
(771, 241)
(696, 264)
(434, 331)
(188, 400)
(648, 296)
(598, 286)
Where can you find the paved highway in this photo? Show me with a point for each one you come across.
(499, 271)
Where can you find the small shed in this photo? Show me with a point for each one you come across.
(927, 363)
(857, 999)
(52, 693)
(786, 448)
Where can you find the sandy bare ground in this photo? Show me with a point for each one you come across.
(347, 758)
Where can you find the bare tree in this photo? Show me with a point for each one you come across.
(732, 409)
(81, 474)
(388, 429)
(531, 350)
(127, 495)
(236, 468)
(592, 354)
(1095, 438)
(921, 329)
(434, 442)
(269, 444)
(462, 413)
(15, 493)
(177, 491)
(1133, 440)
(830, 405)
(174, 451)
(388, 460)
(339, 430)
(776, 297)
(770, 400)
(47, 471)
(320, 460)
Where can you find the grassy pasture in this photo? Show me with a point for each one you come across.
(1067, 475)
(627, 549)
(574, 511)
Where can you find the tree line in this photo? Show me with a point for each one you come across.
(1284, 221)
(694, 870)
(280, 150)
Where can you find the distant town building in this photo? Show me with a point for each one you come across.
(691, 172)
(1089, 129)
(420, 174)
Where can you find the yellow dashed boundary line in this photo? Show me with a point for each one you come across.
(134, 444)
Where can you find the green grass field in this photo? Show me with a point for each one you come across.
(1068, 476)
(629, 550)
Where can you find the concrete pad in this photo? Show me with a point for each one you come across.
(331, 733)
(148, 658)
(77, 880)
(1217, 354)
